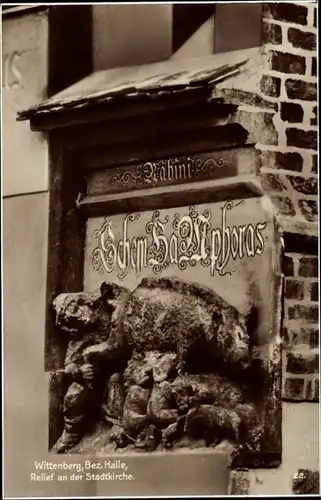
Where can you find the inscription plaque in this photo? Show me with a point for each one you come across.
(174, 170)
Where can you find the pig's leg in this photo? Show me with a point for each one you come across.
(113, 348)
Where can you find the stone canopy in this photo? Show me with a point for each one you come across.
(153, 81)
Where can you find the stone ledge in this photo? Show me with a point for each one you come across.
(295, 226)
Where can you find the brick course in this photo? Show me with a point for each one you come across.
(291, 112)
(299, 89)
(286, 137)
(308, 267)
(288, 63)
(306, 139)
(302, 39)
(289, 12)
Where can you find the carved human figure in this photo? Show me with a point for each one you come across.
(87, 318)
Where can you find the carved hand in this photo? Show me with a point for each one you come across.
(72, 370)
(94, 352)
(87, 371)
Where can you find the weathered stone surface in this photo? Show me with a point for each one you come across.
(100, 437)
(238, 97)
(210, 388)
(161, 406)
(75, 349)
(138, 371)
(118, 436)
(135, 409)
(270, 85)
(75, 400)
(260, 126)
(78, 313)
(284, 205)
(213, 423)
(190, 443)
(173, 432)
(115, 396)
(165, 367)
(148, 439)
(185, 318)
(272, 182)
(184, 346)
(143, 368)
(272, 33)
(283, 161)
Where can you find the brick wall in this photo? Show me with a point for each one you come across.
(283, 108)
(290, 175)
(289, 79)
(277, 104)
(300, 328)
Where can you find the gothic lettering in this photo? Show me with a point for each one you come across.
(186, 240)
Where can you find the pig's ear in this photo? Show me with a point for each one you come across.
(107, 290)
(112, 291)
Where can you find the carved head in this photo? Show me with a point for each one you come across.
(78, 313)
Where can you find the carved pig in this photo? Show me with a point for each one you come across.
(168, 314)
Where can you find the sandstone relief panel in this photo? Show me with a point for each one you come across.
(169, 344)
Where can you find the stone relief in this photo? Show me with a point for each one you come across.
(166, 366)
